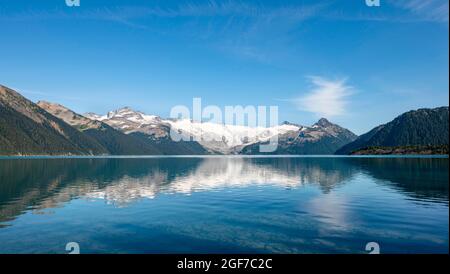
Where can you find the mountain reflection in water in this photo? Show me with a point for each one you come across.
(45, 183)
(313, 197)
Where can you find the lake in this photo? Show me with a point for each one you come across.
(224, 204)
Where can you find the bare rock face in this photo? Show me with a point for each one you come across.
(78, 121)
(114, 141)
(27, 129)
(12, 99)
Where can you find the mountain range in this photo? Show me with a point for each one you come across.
(321, 138)
(48, 128)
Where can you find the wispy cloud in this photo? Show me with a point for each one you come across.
(430, 10)
(243, 29)
(395, 11)
(326, 98)
(248, 30)
(184, 9)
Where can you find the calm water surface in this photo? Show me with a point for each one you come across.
(224, 205)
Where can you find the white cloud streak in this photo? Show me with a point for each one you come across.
(419, 10)
(243, 29)
(327, 98)
(428, 10)
(263, 33)
(188, 9)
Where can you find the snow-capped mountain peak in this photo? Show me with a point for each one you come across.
(128, 121)
(216, 138)
(131, 115)
(123, 113)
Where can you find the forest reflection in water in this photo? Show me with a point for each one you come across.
(45, 183)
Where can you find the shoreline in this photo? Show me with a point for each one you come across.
(5, 157)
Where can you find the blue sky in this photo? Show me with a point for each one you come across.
(359, 66)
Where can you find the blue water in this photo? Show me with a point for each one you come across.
(224, 204)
